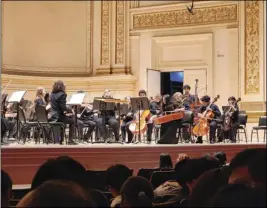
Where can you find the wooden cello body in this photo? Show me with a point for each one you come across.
(202, 126)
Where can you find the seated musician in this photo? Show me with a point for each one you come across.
(213, 124)
(168, 130)
(231, 134)
(59, 108)
(87, 117)
(110, 119)
(190, 98)
(153, 110)
(48, 105)
(127, 119)
(39, 99)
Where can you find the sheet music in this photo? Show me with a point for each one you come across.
(76, 99)
(16, 96)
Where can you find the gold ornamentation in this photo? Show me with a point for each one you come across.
(252, 68)
(119, 58)
(104, 33)
(89, 36)
(181, 18)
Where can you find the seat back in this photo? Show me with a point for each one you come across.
(97, 179)
(242, 119)
(263, 121)
(146, 172)
(242, 112)
(188, 117)
(21, 115)
(41, 115)
(160, 177)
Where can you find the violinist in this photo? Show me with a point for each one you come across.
(59, 108)
(127, 120)
(231, 116)
(110, 119)
(48, 105)
(168, 130)
(213, 124)
(39, 99)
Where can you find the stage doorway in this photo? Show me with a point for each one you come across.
(165, 82)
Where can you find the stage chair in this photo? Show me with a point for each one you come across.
(97, 179)
(25, 126)
(187, 122)
(147, 172)
(47, 127)
(160, 177)
(241, 128)
(262, 125)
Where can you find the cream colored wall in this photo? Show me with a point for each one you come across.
(85, 44)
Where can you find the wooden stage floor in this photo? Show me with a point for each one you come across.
(22, 161)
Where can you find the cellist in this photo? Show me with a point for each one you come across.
(213, 124)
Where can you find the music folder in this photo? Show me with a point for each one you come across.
(76, 99)
(16, 96)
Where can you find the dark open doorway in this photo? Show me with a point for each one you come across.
(171, 82)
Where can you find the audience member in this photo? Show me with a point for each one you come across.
(207, 185)
(240, 195)
(62, 168)
(6, 189)
(182, 156)
(165, 161)
(221, 156)
(57, 193)
(239, 164)
(115, 178)
(137, 192)
(257, 169)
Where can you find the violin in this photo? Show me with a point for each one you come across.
(202, 126)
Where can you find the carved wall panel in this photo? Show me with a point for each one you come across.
(252, 53)
(105, 47)
(181, 18)
(47, 38)
(119, 47)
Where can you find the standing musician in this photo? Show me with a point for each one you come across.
(168, 130)
(59, 108)
(230, 130)
(110, 119)
(190, 99)
(127, 120)
(213, 124)
(153, 110)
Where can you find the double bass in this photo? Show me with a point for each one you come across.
(202, 126)
(196, 104)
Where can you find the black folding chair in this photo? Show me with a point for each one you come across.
(46, 126)
(262, 125)
(241, 128)
(147, 172)
(186, 123)
(25, 126)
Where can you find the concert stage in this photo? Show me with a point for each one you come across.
(22, 161)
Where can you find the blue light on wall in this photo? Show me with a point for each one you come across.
(177, 76)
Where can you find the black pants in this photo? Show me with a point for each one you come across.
(231, 133)
(212, 132)
(168, 132)
(70, 121)
(4, 128)
(125, 128)
(112, 122)
(91, 126)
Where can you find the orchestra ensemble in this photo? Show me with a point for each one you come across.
(182, 116)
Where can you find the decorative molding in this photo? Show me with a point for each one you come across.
(63, 71)
(252, 47)
(134, 4)
(182, 18)
(253, 106)
(104, 58)
(108, 71)
(119, 57)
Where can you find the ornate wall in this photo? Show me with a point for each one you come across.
(225, 38)
(72, 41)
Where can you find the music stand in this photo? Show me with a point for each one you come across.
(75, 100)
(138, 104)
(16, 98)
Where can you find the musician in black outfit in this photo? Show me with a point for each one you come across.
(213, 124)
(153, 110)
(59, 108)
(127, 120)
(168, 130)
(190, 99)
(231, 133)
(110, 119)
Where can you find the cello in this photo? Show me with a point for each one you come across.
(202, 126)
(196, 104)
